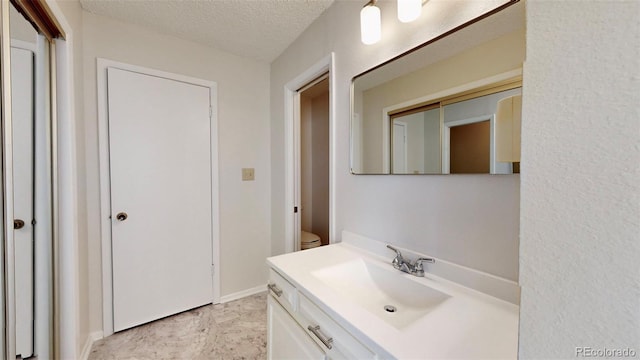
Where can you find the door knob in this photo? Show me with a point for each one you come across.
(18, 224)
(122, 216)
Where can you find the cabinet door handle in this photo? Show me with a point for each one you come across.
(316, 331)
(274, 288)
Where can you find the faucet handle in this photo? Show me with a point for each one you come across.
(398, 260)
(419, 261)
(398, 253)
(418, 264)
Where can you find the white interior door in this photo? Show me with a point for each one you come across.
(160, 160)
(399, 148)
(22, 101)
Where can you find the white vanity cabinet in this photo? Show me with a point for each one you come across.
(298, 329)
(346, 301)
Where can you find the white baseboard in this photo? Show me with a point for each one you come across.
(91, 338)
(243, 293)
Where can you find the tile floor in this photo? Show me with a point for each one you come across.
(234, 330)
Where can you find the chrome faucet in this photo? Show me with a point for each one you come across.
(406, 266)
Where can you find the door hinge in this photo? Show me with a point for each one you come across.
(210, 111)
(295, 209)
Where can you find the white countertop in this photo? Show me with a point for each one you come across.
(468, 325)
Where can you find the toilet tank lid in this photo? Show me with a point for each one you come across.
(308, 237)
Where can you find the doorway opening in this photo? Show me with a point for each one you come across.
(314, 163)
(292, 179)
(469, 147)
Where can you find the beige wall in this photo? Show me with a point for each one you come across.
(580, 208)
(320, 124)
(306, 162)
(314, 163)
(243, 88)
(490, 58)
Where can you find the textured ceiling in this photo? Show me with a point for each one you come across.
(258, 29)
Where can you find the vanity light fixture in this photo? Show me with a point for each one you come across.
(370, 24)
(409, 10)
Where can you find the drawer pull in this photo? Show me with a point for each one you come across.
(316, 331)
(274, 288)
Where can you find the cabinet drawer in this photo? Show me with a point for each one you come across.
(283, 291)
(327, 333)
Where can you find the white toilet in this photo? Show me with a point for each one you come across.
(309, 240)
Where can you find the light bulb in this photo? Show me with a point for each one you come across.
(370, 29)
(409, 10)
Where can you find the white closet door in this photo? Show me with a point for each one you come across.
(160, 159)
(399, 148)
(22, 113)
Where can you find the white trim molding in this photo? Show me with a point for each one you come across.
(91, 338)
(324, 65)
(8, 330)
(65, 195)
(243, 293)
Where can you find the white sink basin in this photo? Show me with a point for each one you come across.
(374, 287)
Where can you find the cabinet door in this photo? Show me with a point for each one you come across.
(285, 338)
(344, 346)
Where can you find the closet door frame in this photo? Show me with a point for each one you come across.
(59, 340)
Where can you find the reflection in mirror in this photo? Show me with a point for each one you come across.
(32, 204)
(469, 136)
(469, 132)
(416, 141)
(417, 114)
(23, 47)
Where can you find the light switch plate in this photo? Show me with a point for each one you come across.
(248, 174)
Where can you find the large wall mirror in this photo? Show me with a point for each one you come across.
(451, 106)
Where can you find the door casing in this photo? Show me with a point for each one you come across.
(292, 151)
